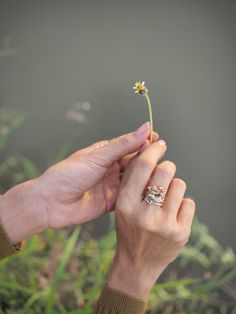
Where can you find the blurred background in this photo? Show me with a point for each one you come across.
(67, 69)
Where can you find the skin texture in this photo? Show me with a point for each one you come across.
(78, 189)
(148, 237)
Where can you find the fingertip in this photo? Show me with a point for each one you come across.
(155, 137)
(189, 202)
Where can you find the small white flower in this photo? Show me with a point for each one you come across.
(140, 88)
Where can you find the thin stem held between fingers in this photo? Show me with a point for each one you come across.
(150, 115)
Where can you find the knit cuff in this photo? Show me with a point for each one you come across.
(113, 301)
(6, 247)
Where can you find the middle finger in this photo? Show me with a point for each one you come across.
(141, 167)
(124, 161)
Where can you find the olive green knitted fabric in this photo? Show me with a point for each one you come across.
(115, 302)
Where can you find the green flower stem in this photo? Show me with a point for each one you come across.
(150, 115)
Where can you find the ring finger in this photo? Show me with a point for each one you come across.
(162, 176)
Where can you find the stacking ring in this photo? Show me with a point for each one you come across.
(154, 195)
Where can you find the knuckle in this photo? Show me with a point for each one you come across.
(144, 162)
(124, 140)
(170, 165)
(100, 143)
(166, 170)
(181, 237)
(166, 231)
(52, 171)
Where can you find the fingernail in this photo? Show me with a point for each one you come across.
(143, 128)
(162, 142)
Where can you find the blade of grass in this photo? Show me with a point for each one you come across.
(176, 283)
(16, 287)
(71, 243)
(33, 299)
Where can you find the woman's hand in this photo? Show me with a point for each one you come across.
(75, 190)
(85, 185)
(149, 237)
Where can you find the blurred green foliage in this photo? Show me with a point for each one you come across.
(63, 271)
(9, 120)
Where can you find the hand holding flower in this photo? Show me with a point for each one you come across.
(76, 190)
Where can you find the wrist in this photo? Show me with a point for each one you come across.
(134, 280)
(22, 212)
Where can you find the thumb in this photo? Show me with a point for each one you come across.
(125, 144)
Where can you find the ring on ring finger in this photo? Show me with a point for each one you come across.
(163, 174)
(155, 195)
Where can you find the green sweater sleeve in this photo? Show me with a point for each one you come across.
(6, 247)
(115, 302)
